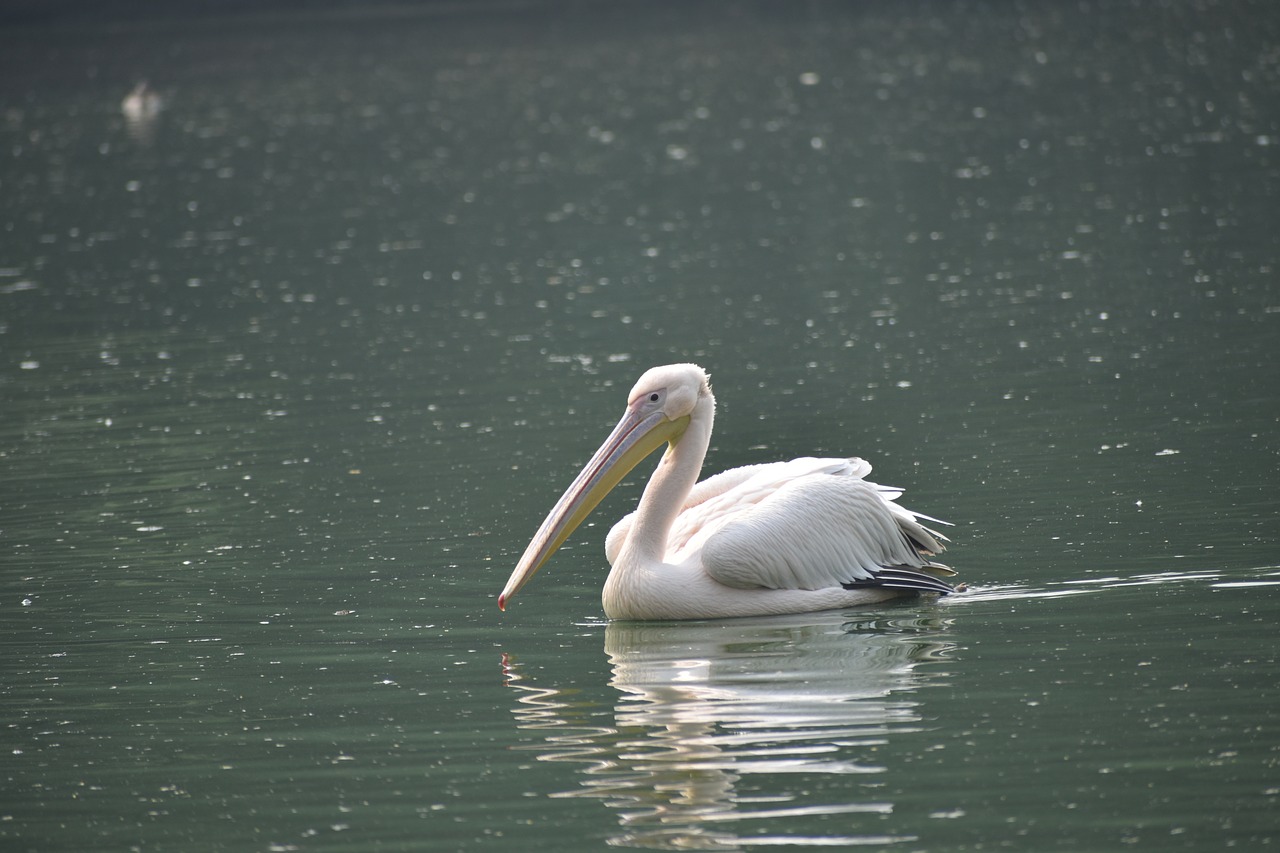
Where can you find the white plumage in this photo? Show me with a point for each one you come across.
(784, 537)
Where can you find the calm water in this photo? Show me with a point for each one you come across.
(291, 370)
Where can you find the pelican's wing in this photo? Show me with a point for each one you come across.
(715, 500)
(819, 532)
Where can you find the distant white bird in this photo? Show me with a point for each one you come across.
(783, 537)
(142, 104)
(141, 109)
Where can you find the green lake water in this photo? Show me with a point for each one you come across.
(291, 369)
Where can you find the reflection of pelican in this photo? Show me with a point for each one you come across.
(787, 537)
(141, 108)
(723, 722)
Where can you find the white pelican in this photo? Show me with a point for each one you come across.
(783, 537)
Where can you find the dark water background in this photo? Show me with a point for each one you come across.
(291, 370)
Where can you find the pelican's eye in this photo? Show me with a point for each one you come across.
(651, 400)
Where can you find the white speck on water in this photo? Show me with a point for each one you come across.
(949, 814)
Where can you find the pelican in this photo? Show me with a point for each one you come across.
(782, 537)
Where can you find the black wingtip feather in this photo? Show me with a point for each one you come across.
(901, 577)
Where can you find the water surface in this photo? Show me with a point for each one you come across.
(292, 369)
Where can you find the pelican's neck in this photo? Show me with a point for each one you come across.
(665, 494)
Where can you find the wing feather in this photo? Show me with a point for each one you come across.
(817, 532)
(715, 500)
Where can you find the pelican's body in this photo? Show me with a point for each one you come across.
(786, 537)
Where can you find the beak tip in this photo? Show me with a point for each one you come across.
(502, 602)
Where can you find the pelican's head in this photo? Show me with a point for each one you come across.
(659, 409)
(677, 387)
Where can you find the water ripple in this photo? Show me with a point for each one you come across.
(1263, 576)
